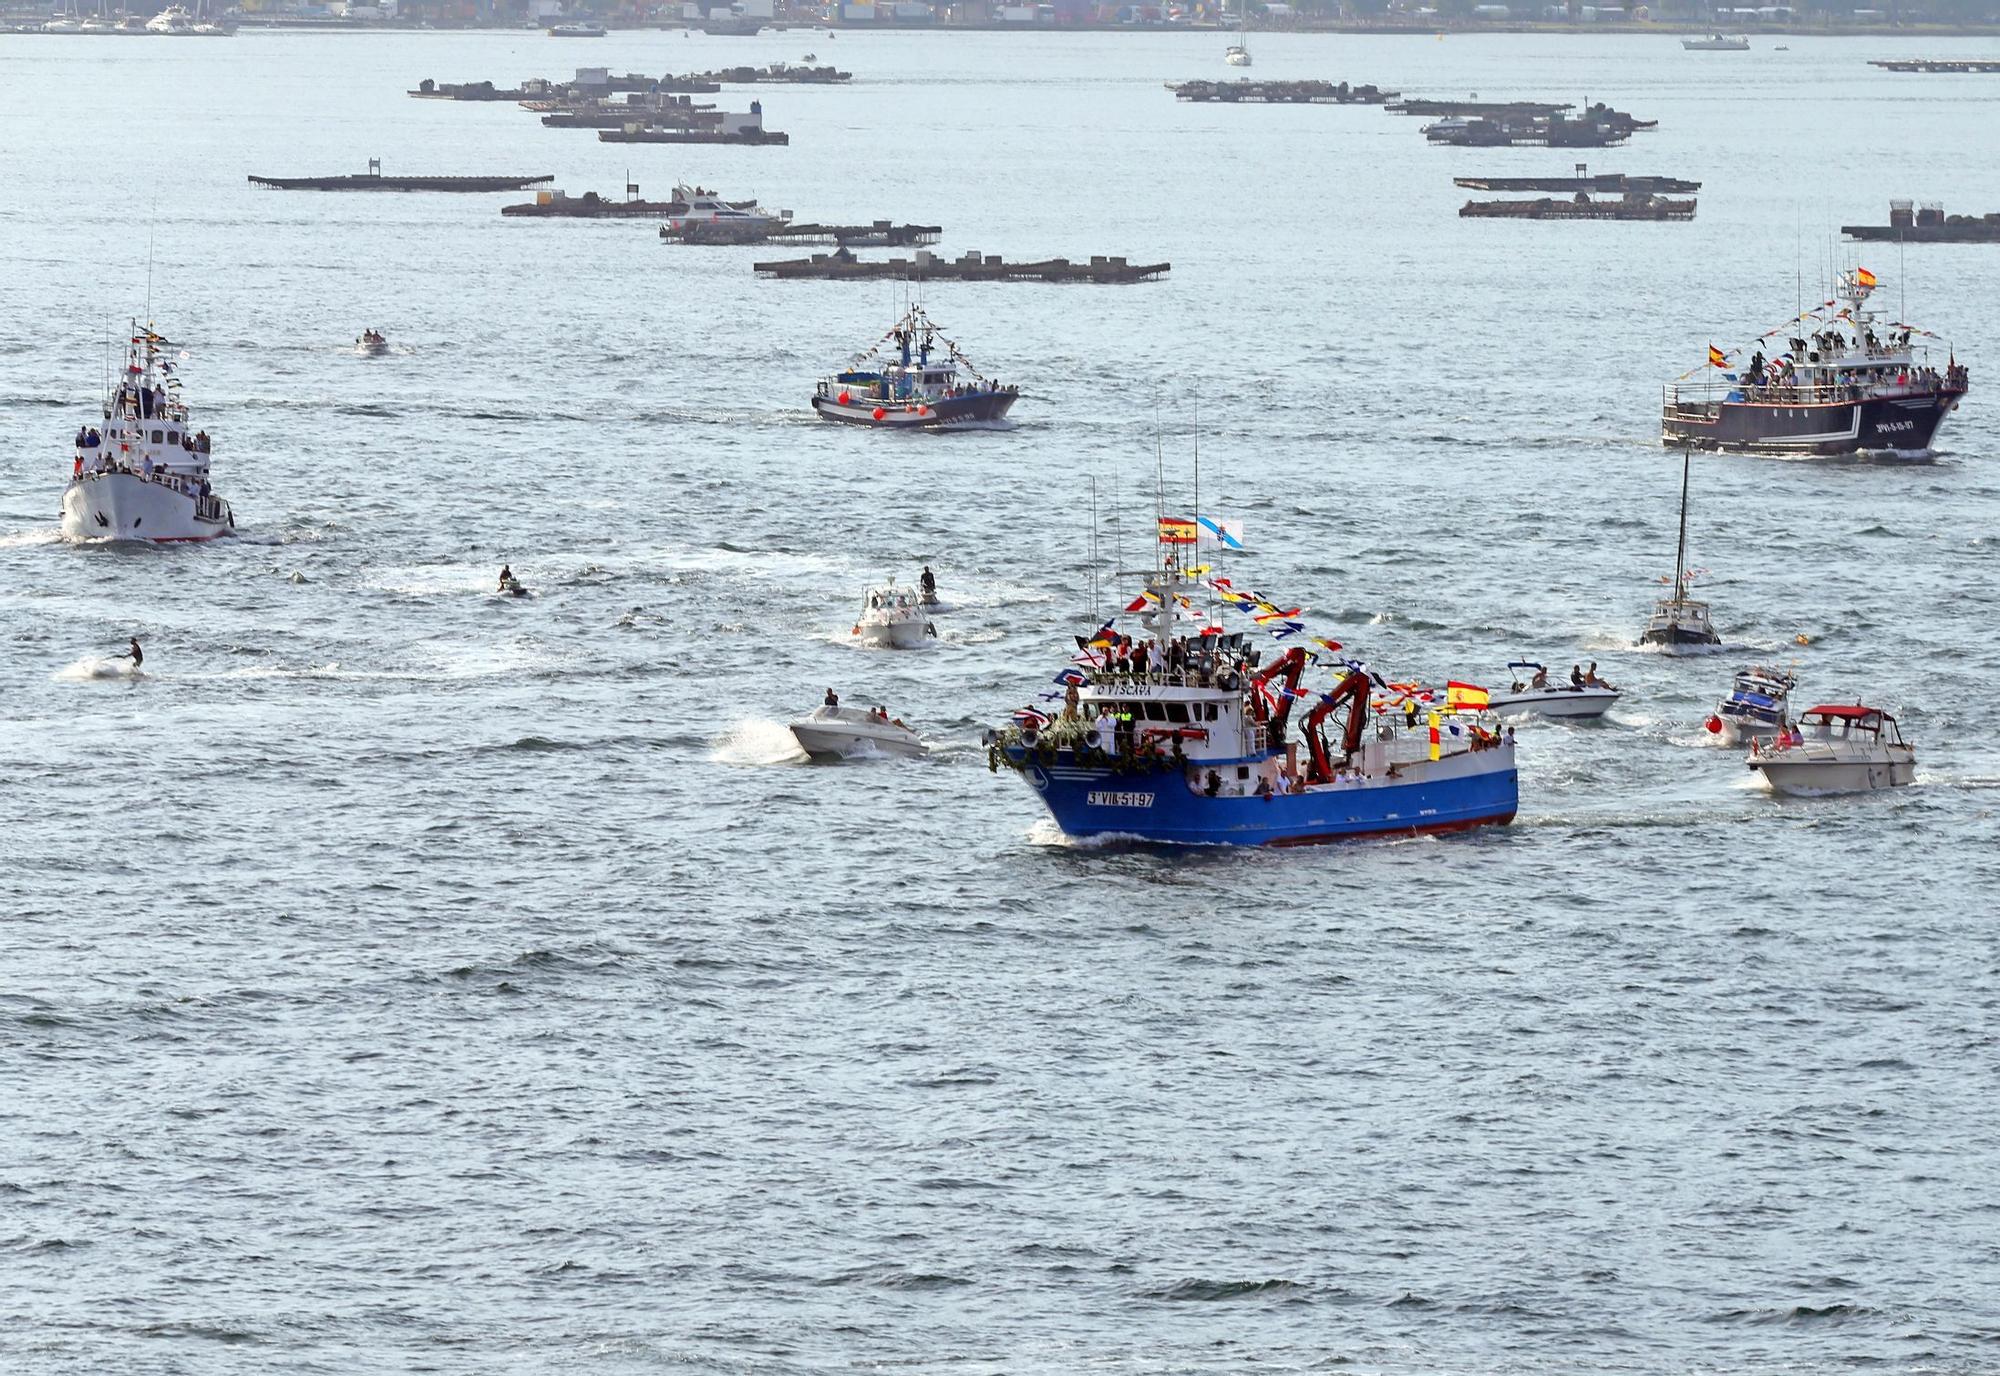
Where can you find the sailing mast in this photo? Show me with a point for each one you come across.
(1681, 551)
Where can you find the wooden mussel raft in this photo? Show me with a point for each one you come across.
(1603, 184)
(1960, 66)
(1248, 92)
(1478, 109)
(373, 180)
(1635, 206)
(731, 128)
(880, 234)
(841, 265)
(1598, 127)
(1928, 224)
(557, 205)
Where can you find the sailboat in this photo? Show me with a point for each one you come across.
(1680, 620)
(1237, 54)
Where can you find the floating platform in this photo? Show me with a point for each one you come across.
(842, 266)
(1928, 225)
(554, 205)
(1944, 65)
(474, 90)
(651, 134)
(777, 74)
(881, 234)
(1603, 184)
(373, 180)
(1477, 109)
(1249, 92)
(1640, 207)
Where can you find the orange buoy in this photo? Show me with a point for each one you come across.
(843, 398)
(879, 413)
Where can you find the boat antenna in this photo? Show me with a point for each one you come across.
(1117, 526)
(1091, 581)
(1159, 487)
(1681, 550)
(1798, 280)
(1197, 481)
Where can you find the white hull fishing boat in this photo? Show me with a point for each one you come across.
(1756, 706)
(1837, 749)
(1538, 697)
(844, 733)
(1717, 43)
(892, 619)
(144, 474)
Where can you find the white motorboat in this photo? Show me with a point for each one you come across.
(1756, 706)
(143, 475)
(702, 206)
(1680, 619)
(582, 30)
(1236, 55)
(892, 619)
(1717, 43)
(1836, 748)
(1537, 696)
(371, 344)
(173, 19)
(842, 733)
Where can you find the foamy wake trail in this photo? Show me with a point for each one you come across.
(755, 741)
(95, 667)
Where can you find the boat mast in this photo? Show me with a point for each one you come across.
(1681, 550)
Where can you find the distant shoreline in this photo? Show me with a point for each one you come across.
(1458, 28)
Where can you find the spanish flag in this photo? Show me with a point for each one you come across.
(1864, 277)
(1464, 697)
(1178, 530)
(1717, 358)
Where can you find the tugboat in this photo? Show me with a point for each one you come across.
(1756, 705)
(1185, 740)
(1849, 382)
(915, 391)
(143, 475)
(1680, 619)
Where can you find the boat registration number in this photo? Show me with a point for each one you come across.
(1121, 800)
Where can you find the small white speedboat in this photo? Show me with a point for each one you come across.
(1538, 697)
(1836, 748)
(371, 344)
(892, 619)
(843, 733)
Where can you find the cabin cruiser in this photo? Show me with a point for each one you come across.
(371, 344)
(892, 619)
(841, 733)
(584, 30)
(918, 387)
(1718, 43)
(1680, 619)
(1836, 749)
(1538, 696)
(174, 19)
(143, 474)
(1846, 381)
(697, 205)
(1185, 734)
(1755, 706)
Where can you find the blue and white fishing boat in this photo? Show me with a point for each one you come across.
(919, 387)
(1185, 735)
(1756, 706)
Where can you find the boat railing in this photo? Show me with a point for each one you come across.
(1701, 398)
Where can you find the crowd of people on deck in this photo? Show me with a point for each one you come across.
(1779, 380)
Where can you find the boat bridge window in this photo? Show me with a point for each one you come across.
(156, 437)
(1177, 712)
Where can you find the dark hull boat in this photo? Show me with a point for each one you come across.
(1846, 381)
(924, 384)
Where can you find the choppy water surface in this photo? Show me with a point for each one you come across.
(400, 978)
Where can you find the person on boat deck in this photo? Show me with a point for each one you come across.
(1541, 678)
(1576, 676)
(928, 582)
(1139, 657)
(832, 699)
(1590, 678)
(135, 654)
(1104, 731)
